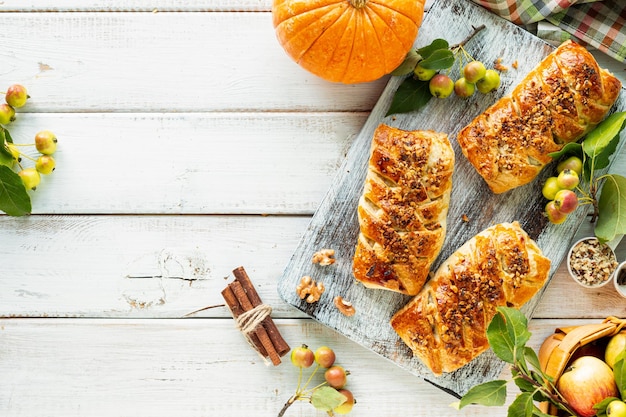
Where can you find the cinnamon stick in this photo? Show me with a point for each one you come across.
(278, 342)
(237, 310)
(260, 331)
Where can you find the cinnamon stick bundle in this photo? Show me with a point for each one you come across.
(241, 297)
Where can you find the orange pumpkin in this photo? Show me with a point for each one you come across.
(349, 41)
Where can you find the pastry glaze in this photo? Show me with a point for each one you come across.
(445, 324)
(558, 102)
(402, 211)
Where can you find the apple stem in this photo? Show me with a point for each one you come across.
(469, 37)
(287, 405)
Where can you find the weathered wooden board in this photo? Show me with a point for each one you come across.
(335, 223)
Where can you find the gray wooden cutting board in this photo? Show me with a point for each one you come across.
(335, 224)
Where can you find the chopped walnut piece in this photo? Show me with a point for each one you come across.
(309, 290)
(499, 66)
(346, 307)
(515, 64)
(465, 218)
(324, 257)
(592, 263)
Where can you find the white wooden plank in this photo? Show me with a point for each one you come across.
(189, 162)
(135, 6)
(92, 266)
(123, 62)
(57, 367)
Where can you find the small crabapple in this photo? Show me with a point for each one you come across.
(46, 142)
(573, 162)
(325, 356)
(7, 114)
(16, 95)
(336, 376)
(345, 407)
(566, 201)
(45, 164)
(424, 74)
(441, 86)
(550, 188)
(30, 177)
(568, 179)
(489, 82)
(474, 71)
(464, 88)
(14, 151)
(554, 215)
(302, 356)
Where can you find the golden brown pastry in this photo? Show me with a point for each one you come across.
(558, 102)
(402, 211)
(445, 324)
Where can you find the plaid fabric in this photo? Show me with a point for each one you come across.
(599, 23)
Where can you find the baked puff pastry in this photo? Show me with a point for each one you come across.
(558, 102)
(402, 211)
(445, 324)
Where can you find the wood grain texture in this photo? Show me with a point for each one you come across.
(106, 58)
(189, 162)
(188, 367)
(335, 224)
(161, 266)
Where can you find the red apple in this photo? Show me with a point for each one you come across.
(586, 382)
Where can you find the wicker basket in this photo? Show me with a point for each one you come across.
(557, 350)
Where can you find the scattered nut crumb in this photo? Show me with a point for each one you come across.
(346, 307)
(499, 66)
(309, 290)
(465, 218)
(515, 64)
(324, 257)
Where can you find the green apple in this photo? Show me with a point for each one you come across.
(616, 345)
(616, 408)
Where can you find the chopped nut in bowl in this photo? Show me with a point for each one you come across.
(591, 263)
(620, 279)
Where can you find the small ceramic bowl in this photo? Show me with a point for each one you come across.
(590, 263)
(620, 279)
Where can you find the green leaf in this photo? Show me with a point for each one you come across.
(619, 370)
(438, 60)
(435, 45)
(602, 405)
(14, 199)
(611, 208)
(7, 136)
(522, 406)
(531, 357)
(412, 95)
(538, 413)
(572, 148)
(409, 63)
(602, 159)
(601, 137)
(327, 398)
(508, 333)
(6, 157)
(492, 393)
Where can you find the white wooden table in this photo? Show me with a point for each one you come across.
(189, 145)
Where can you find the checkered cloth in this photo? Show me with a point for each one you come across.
(598, 23)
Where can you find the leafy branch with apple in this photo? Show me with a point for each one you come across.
(591, 385)
(580, 182)
(431, 69)
(17, 179)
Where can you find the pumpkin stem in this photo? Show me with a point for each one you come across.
(358, 4)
